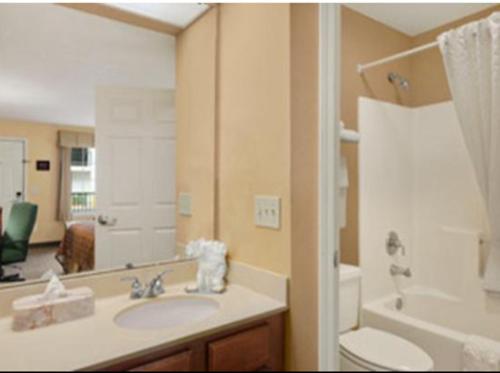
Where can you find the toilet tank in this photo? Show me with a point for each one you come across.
(349, 297)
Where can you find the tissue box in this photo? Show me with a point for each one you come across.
(34, 312)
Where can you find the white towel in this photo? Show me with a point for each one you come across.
(481, 355)
(343, 186)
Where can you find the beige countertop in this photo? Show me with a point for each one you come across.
(97, 340)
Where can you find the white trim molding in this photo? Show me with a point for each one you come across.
(23, 141)
(329, 161)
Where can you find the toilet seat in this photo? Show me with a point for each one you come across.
(376, 350)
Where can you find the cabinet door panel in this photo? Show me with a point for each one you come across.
(245, 352)
(181, 362)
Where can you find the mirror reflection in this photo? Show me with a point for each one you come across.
(89, 145)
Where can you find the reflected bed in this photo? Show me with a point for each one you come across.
(77, 251)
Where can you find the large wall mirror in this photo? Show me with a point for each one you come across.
(98, 169)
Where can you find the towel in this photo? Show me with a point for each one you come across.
(343, 186)
(481, 354)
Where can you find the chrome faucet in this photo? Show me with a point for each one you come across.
(152, 289)
(137, 290)
(400, 271)
(155, 287)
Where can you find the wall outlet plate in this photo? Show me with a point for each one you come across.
(268, 212)
(185, 204)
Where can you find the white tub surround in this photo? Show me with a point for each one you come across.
(418, 180)
(97, 341)
(385, 190)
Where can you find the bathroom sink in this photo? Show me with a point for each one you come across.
(167, 313)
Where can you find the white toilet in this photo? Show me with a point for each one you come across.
(367, 349)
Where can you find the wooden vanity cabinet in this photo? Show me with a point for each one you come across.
(180, 362)
(257, 346)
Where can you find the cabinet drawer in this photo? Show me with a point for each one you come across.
(246, 351)
(181, 362)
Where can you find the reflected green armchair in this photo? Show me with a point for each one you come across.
(15, 240)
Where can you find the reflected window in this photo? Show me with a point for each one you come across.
(83, 181)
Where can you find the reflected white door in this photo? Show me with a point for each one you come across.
(11, 174)
(135, 184)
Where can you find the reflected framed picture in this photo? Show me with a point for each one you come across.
(43, 165)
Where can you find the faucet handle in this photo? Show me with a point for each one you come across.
(137, 290)
(158, 280)
(135, 280)
(155, 287)
(163, 274)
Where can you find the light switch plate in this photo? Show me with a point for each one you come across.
(185, 204)
(268, 212)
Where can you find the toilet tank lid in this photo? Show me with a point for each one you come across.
(348, 272)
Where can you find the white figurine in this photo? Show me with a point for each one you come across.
(212, 266)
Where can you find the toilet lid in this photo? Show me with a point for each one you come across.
(385, 351)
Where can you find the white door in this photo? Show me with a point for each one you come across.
(135, 184)
(11, 174)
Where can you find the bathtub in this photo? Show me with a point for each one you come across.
(435, 321)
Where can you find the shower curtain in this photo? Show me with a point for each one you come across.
(471, 56)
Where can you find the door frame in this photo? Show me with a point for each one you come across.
(329, 155)
(24, 142)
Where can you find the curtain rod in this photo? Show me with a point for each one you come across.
(364, 67)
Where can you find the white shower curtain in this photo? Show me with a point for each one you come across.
(472, 59)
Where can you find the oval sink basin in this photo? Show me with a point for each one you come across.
(167, 313)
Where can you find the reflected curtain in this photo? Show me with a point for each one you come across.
(471, 56)
(64, 208)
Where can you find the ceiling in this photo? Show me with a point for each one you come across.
(52, 59)
(414, 19)
(179, 15)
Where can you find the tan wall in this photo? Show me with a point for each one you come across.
(254, 130)
(303, 349)
(266, 143)
(195, 142)
(428, 78)
(42, 187)
(365, 40)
